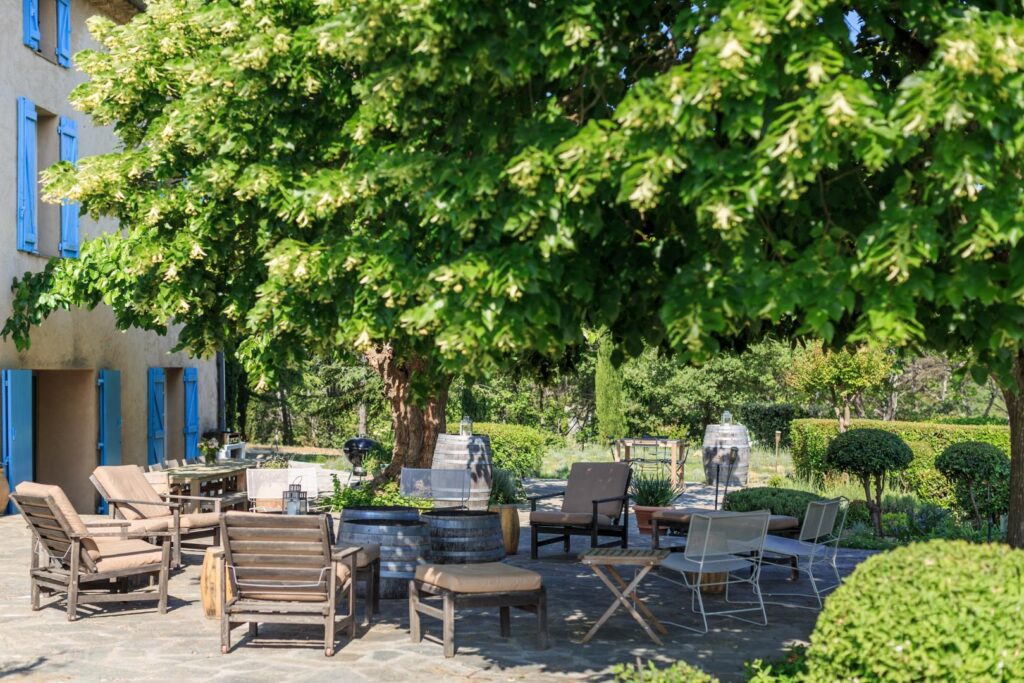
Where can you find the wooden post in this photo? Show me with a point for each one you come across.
(778, 442)
(673, 450)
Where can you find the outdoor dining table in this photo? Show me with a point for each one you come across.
(603, 560)
(192, 477)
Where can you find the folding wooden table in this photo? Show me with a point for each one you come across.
(603, 560)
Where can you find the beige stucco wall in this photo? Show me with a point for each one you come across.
(65, 433)
(84, 340)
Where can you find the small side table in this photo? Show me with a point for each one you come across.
(603, 560)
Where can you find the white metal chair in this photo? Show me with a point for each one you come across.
(436, 485)
(817, 545)
(722, 544)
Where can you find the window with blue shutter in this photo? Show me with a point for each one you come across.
(16, 403)
(64, 33)
(68, 132)
(28, 229)
(109, 440)
(157, 416)
(30, 23)
(191, 414)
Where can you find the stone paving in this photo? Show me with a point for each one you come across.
(138, 644)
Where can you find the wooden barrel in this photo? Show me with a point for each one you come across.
(404, 544)
(380, 512)
(720, 442)
(454, 452)
(465, 536)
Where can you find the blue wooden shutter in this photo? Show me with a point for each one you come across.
(109, 442)
(64, 33)
(155, 446)
(30, 23)
(27, 177)
(191, 414)
(17, 434)
(68, 131)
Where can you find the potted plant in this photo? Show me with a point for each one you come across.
(506, 494)
(650, 493)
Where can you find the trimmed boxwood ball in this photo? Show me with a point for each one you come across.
(937, 611)
(869, 455)
(789, 502)
(980, 474)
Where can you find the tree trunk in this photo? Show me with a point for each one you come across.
(1014, 396)
(287, 429)
(417, 422)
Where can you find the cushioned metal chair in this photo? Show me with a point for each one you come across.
(88, 563)
(723, 549)
(132, 497)
(816, 547)
(595, 503)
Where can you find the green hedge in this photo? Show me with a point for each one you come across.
(926, 439)
(679, 672)
(790, 502)
(937, 611)
(764, 419)
(517, 448)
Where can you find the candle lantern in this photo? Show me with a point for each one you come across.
(466, 426)
(727, 418)
(294, 500)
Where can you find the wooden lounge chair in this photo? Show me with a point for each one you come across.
(131, 496)
(595, 497)
(490, 584)
(90, 564)
(282, 569)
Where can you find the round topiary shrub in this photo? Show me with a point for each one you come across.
(790, 502)
(980, 474)
(869, 455)
(937, 611)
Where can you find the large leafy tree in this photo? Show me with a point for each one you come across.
(441, 182)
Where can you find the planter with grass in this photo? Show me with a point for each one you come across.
(506, 494)
(650, 493)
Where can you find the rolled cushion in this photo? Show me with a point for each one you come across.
(783, 523)
(198, 520)
(119, 553)
(579, 518)
(152, 524)
(128, 482)
(590, 481)
(488, 577)
(31, 488)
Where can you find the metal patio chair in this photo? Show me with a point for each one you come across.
(816, 545)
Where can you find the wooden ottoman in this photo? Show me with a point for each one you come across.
(490, 584)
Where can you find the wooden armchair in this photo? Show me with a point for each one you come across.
(282, 569)
(595, 498)
(132, 497)
(88, 565)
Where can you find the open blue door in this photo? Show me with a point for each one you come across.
(155, 424)
(191, 413)
(109, 442)
(17, 436)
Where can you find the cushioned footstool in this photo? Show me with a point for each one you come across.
(491, 584)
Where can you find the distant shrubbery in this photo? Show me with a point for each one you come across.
(789, 502)
(365, 496)
(518, 448)
(764, 419)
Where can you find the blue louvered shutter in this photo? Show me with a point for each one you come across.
(27, 176)
(109, 441)
(191, 414)
(17, 427)
(68, 131)
(156, 397)
(64, 33)
(30, 23)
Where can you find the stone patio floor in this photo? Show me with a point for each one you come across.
(135, 644)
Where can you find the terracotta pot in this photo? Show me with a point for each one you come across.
(5, 492)
(643, 518)
(509, 516)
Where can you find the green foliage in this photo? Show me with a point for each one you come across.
(868, 452)
(506, 488)
(857, 512)
(764, 419)
(364, 495)
(779, 501)
(652, 490)
(274, 462)
(937, 611)
(841, 377)
(789, 669)
(679, 672)
(971, 420)
(611, 418)
(516, 448)
(980, 474)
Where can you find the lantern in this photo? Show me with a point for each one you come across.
(294, 501)
(727, 418)
(466, 426)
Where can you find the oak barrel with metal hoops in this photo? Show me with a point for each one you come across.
(465, 536)
(379, 512)
(719, 443)
(404, 544)
(455, 452)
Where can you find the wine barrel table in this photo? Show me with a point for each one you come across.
(455, 452)
(379, 512)
(210, 576)
(404, 544)
(725, 447)
(465, 536)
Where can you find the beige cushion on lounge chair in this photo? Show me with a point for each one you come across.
(682, 516)
(562, 518)
(31, 488)
(128, 482)
(367, 554)
(151, 524)
(590, 481)
(197, 520)
(489, 577)
(125, 553)
(782, 523)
